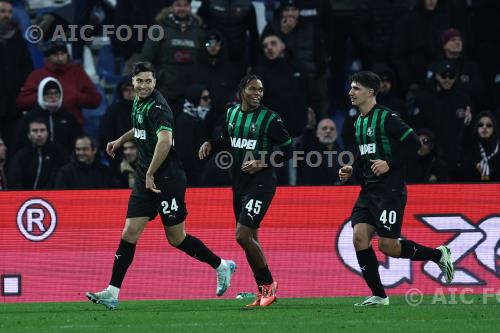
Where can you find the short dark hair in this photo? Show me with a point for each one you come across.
(143, 66)
(38, 121)
(93, 142)
(244, 82)
(367, 79)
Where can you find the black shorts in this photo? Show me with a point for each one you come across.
(251, 205)
(381, 210)
(169, 203)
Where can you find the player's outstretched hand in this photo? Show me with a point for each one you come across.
(379, 167)
(345, 173)
(205, 150)
(150, 183)
(112, 147)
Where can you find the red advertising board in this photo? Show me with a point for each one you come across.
(55, 245)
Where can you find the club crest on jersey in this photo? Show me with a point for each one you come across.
(370, 131)
(139, 118)
(253, 128)
(243, 143)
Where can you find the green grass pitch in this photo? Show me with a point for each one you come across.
(287, 315)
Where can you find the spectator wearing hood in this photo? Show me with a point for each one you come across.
(427, 164)
(15, 65)
(79, 91)
(481, 157)
(175, 55)
(117, 119)
(190, 131)
(63, 126)
(35, 166)
(85, 171)
(218, 74)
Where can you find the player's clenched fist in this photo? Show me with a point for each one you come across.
(345, 173)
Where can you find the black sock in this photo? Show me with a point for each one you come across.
(258, 280)
(369, 267)
(195, 248)
(417, 252)
(123, 258)
(265, 275)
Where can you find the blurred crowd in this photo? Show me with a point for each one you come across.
(63, 99)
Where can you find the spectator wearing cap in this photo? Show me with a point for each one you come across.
(175, 55)
(63, 126)
(79, 91)
(237, 22)
(15, 65)
(416, 41)
(427, 164)
(35, 166)
(481, 157)
(190, 131)
(85, 171)
(469, 78)
(117, 119)
(304, 43)
(444, 108)
(218, 74)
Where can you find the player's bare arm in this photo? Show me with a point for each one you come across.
(113, 146)
(161, 152)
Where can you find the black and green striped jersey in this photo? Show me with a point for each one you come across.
(379, 135)
(253, 133)
(149, 117)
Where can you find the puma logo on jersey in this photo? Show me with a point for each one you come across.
(139, 134)
(367, 148)
(243, 143)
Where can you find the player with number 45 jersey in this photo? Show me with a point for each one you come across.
(250, 133)
(160, 187)
(385, 144)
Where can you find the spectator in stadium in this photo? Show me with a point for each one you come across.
(15, 65)
(469, 78)
(218, 74)
(481, 157)
(135, 13)
(289, 90)
(305, 45)
(416, 41)
(63, 127)
(190, 131)
(35, 166)
(237, 22)
(79, 91)
(85, 171)
(3, 159)
(427, 164)
(446, 110)
(128, 164)
(175, 55)
(117, 119)
(320, 140)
